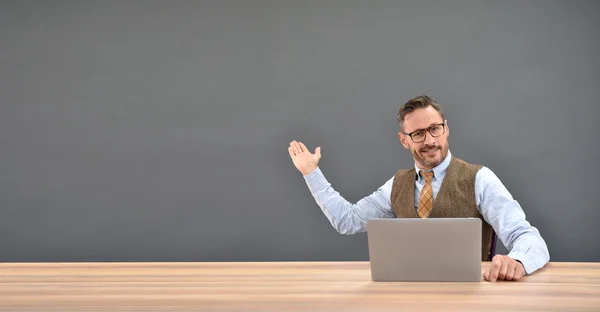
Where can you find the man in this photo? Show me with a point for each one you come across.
(468, 191)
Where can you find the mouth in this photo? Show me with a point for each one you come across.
(430, 151)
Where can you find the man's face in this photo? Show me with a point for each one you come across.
(433, 150)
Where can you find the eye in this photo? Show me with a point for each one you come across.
(418, 133)
(436, 128)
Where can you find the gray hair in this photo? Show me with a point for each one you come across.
(421, 101)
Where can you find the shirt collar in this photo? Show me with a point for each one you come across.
(439, 171)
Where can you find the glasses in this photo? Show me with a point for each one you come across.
(436, 130)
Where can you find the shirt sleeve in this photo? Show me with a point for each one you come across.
(346, 217)
(506, 216)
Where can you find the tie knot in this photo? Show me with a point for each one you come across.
(427, 175)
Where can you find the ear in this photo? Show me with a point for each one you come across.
(403, 139)
(447, 129)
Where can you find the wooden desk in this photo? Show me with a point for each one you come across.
(280, 286)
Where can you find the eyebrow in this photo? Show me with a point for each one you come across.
(431, 125)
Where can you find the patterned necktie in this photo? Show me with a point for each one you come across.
(426, 199)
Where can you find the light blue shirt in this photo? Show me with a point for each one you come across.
(493, 201)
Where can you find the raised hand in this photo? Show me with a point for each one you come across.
(303, 159)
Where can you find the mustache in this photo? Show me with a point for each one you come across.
(428, 147)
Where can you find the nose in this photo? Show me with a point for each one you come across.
(429, 139)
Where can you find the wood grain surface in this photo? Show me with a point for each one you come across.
(281, 286)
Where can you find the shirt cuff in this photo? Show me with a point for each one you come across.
(315, 180)
(524, 259)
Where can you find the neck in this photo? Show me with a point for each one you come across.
(422, 167)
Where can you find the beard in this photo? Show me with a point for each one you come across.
(430, 156)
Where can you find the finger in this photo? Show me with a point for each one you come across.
(318, 151)
(519, 272)
(300, 144)
(486, 275)
(503, 270)
(510, 274)
(295, 147)
(291, 152)
(304, 147)
(495, 269)
(291, 147)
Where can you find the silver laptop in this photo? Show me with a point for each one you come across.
(425, 250)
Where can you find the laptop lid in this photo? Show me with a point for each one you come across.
(433, 250)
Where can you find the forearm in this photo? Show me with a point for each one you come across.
(530, 249)
(344, 216)
(507, 218)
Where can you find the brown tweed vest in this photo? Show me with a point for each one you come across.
(455, 199)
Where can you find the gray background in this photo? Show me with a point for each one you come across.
(158, 130)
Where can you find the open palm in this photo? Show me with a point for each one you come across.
(303, 159)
